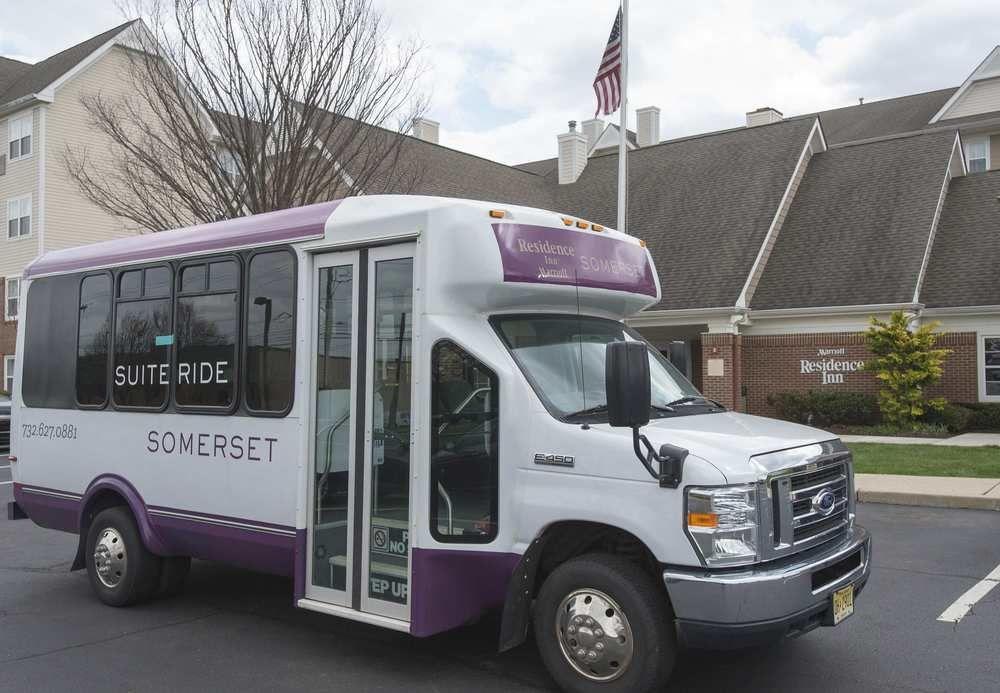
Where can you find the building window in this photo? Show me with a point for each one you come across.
(207, 323)
(8, 374)
(19, 217)
(12, 296)
(977, 154)
(19, 137)
(991, 367)
(269, 333)
(93, 341)
(464, 433)
(143, 338)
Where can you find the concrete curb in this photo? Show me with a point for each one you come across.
(929, 491)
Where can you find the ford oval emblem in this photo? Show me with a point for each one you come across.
(824, 502)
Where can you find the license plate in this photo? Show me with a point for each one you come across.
(843, 603)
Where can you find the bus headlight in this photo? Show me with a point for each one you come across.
(722, 523)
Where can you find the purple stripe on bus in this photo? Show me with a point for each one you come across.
(452, 587)
(261, 551)
(49, 512)
(546, 255)
(300, 566)
(225, 518)
(272, 227)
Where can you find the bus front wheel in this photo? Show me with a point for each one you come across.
(602, 624)
(121, 569)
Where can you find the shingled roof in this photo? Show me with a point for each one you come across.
(704, 205)
(857, 230)
(881, 118)
(40, 75)
(965, 262)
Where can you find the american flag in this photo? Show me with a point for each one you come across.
(608, 83)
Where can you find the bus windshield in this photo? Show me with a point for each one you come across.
(562, 356)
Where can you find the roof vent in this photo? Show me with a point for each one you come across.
(764, 116)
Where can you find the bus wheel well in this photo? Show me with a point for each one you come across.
(102, 500)
(566, 540)
(559, 543)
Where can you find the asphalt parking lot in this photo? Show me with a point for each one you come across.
(237, 631)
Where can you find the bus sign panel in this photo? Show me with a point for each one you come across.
(546, 255)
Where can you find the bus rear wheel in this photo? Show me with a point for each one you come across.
(602, 624)
(121, 569)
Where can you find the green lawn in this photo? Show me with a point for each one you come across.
(926, 460)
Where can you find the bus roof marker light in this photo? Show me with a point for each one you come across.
(567, 221)
(642, 243)
(582, 225)
(497, 213)
(597, 227)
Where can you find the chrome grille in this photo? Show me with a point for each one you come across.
(790, 517)
(5, 435)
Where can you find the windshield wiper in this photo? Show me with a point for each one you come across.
(590, 411)
(691, 399)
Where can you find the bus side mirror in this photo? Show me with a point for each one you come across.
(626, 373)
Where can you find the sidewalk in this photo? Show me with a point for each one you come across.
(929, 491)
(963, 440)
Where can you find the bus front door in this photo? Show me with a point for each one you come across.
(359, 504)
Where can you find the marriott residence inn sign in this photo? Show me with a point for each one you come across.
(831, 366)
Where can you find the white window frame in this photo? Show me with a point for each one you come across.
(982, 367)
(983, 140)
(21, 204)
(8, 374)
(18, 129)
(6, 299)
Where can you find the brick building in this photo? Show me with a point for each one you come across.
(775, 241)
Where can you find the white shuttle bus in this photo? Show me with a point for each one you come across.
(421, 409)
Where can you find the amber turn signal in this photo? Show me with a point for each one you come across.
(703, 520)
(497, 213)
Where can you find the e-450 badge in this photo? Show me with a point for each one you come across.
(554, 460)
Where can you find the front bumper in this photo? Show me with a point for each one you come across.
(725, 609)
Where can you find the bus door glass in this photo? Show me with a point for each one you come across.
(358, 552)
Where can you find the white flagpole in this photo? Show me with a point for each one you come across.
(623, 134)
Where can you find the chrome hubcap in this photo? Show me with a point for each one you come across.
(110, 558)
(594, 635)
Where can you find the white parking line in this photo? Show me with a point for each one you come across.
(963, 605)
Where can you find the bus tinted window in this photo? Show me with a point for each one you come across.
(50, 342)
(157, 282)
(270, 331)
(193, 278)
(143, 337)
(130, 284)
(207, 332)
(464, 426)
(94, 340)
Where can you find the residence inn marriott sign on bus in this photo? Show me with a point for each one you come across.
(544, 255)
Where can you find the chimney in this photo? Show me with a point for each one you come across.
(648, 126)
(572, 154)
(763, 116)
(426, 129)
(592, 129)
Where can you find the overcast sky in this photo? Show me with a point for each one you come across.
(505, 76)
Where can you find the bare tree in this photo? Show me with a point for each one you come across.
(245, 106)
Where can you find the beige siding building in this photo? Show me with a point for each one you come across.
(42, 118)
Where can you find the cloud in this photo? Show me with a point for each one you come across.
(506, 75)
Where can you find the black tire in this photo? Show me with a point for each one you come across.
(173, 574)
(643, 603)
(140, 576)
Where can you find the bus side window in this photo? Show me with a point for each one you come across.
(269, 333)
(464, 433)
(93, 341)
(207, 331)
(143, 337)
